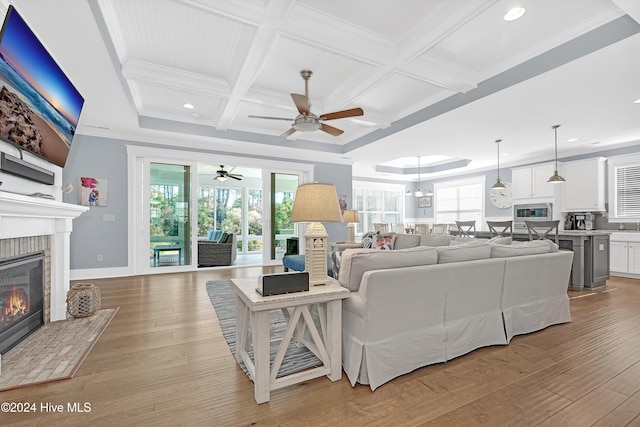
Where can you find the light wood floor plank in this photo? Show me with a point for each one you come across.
(163, 361)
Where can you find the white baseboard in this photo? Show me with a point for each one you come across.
(99, 273)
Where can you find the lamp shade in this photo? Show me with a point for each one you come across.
(316, 202)
(350, 216)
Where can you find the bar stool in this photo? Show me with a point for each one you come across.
(500, 228)
(466, 228)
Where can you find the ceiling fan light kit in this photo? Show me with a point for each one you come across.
(222, 175)
(307, 121)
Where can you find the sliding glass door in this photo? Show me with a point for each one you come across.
(169, 215)
(283, 193)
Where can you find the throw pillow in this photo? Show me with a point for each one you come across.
(385, 241)
(336, 258)
(367, 239)
(223, 238)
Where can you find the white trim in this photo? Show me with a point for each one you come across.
(370, 185)
(138, 156)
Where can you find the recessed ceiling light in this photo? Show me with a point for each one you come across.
(188, 106)
(504, 154)
(637, 101)
(514, 13)
(572, 140)
(196, 115)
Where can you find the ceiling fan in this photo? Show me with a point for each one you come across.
(306, 121)
(222, 175)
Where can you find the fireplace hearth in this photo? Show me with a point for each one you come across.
(21, 298)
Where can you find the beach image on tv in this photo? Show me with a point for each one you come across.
(39, 106)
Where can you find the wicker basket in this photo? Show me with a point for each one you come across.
(83, 300)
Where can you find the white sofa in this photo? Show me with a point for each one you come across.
(418, 306)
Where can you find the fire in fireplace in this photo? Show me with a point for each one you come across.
(21, 298)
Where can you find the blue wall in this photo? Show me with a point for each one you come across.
(107, 159)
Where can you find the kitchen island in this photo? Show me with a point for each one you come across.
(590, 255)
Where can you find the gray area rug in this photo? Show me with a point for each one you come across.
(223, 298)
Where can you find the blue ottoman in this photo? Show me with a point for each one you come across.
(296, 263)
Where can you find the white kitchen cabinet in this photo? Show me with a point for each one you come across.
(624, 255)
(583, 190)
(619, 257)
(634, 258)
(531, 182)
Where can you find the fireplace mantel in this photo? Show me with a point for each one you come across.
(25, 216)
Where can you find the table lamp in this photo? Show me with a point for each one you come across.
(350, 217)
(315, 203)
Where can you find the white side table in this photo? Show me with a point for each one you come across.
(252, 313)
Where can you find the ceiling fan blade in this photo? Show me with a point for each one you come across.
(235, 176)
(342, 114)
(302, 103)
(270, 118)
(289, 132)
(331, 130)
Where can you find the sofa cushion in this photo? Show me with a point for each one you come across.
(223, 238)
(214, 235)
(355, 262)
(464, 252)
(434, 240)
(501, 240)
(404, 241)
(521, 248)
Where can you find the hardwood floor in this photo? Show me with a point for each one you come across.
(163, 361)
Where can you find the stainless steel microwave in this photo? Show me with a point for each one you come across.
(531, 212)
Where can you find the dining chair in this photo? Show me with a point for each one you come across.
(500, 228)
(541, 230)
(422, 228)
(397, 228)
(440, 229)
(466, 228)
(380, 227)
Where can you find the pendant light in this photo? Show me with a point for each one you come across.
(499, 185)
(418, 192)
(556, 178)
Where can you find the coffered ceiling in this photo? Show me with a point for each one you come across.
(435, 78)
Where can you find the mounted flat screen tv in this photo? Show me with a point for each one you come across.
(39, 106)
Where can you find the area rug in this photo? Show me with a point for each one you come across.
(223, 298)
(53, 352)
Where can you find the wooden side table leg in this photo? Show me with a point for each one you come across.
(334, 338)
(242, 323)
(261, 338)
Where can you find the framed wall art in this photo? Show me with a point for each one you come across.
(425, 201)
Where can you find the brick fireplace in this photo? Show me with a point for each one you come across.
(34, 225)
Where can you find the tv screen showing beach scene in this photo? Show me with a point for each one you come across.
(39, 106)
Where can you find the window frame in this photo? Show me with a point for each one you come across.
(613, 164)
(456, 183)
(365, 186)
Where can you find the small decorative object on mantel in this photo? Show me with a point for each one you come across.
(83, 300)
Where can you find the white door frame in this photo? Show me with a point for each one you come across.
(138, 160)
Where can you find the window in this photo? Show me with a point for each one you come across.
(624, 188)
(459, 200)
(377, 203)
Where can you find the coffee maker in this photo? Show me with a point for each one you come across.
(581, 221)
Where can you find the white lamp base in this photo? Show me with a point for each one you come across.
(351, 236)
(315, 254)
